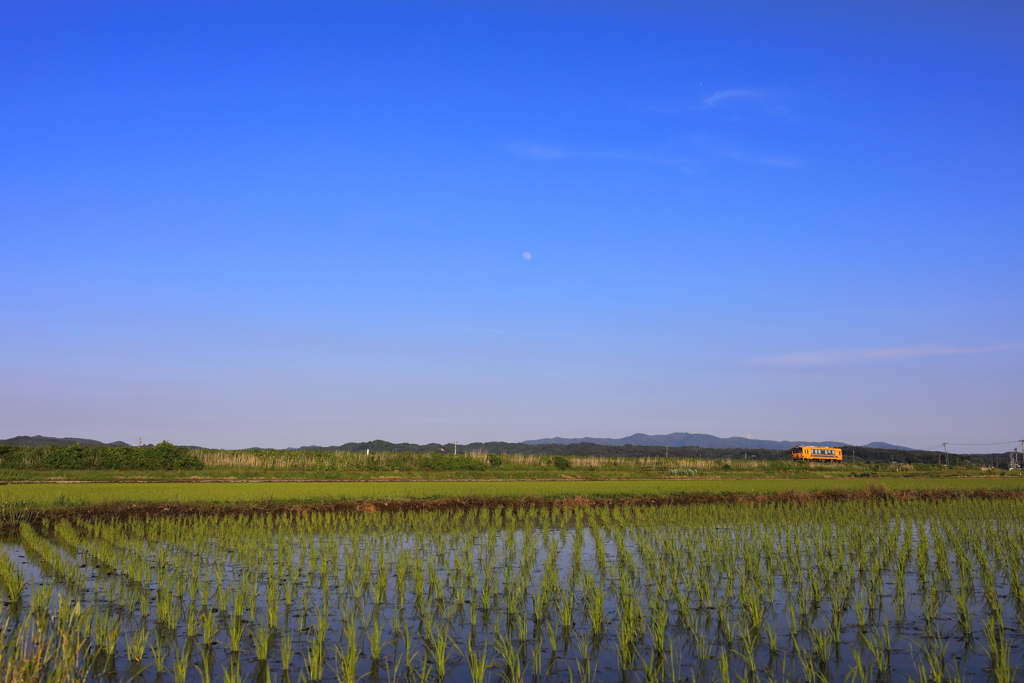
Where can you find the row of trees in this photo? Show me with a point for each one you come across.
(167, 456)
(162, 456)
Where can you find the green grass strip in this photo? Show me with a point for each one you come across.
(22, 496)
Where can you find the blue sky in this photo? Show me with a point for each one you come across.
(291, 223)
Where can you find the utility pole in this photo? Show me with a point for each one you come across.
(946, 451)
(456, 448)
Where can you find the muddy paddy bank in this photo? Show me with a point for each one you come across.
(12, 514)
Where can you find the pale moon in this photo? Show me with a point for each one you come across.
(527, 256)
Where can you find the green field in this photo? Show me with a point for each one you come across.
(62, 495)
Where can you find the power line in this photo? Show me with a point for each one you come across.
(994, 443)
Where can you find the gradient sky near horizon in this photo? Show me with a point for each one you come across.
(290, 223)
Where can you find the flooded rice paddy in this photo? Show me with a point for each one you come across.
(853, 591)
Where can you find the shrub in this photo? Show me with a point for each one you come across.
(444, 462)
(561, 462)
(495, 460)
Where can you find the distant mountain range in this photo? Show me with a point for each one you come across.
(677, 439)
(38, 440)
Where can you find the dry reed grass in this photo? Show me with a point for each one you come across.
(343, 460)
(404, 462)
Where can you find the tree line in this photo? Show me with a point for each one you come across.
(853, 454)
(162, 456)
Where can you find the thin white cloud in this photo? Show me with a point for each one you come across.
(712, 101)
(549, 153)
(839, 356)
(729, 150)
(530, 151)
(770, 101)
(515, 332)
(778, 161)
(720, 97)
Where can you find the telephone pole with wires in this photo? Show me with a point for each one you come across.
(1013, 456)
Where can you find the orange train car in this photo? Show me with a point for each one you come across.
(817, 453)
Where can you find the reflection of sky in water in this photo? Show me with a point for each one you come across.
(777, 565)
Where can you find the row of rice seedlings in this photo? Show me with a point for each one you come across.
(12, 580)
(641, 585)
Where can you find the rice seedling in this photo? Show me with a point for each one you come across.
(315, 657)
(206, 670)
(235, 630)
(158, 653)
(210, 627)
(106, 632)
(39, 602)
(261, 641)
(511, 655)
(348, 659)
(722, 669)
(478, 662)
(12, 581)
(191, 622)
(287, 645)
(135, 645)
